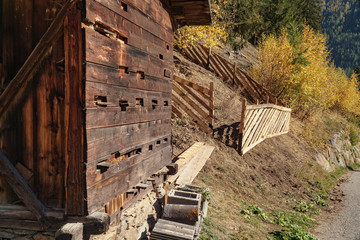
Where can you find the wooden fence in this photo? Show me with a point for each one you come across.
(195, 100)
(259, 122)
(230, 73)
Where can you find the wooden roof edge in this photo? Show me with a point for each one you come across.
(185, 12)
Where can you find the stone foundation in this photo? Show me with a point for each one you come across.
(137, 221)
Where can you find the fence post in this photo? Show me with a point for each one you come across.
(241, 126)
(211, 112)
(267, 99)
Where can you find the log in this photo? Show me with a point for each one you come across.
(70, 231)
(181, 213)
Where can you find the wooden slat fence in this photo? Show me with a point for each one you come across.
(195, 100)
(230, 73)
(259, 122)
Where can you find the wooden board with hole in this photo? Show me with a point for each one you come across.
(115, 24)
(101, 193)
(110, 52)
(122, 160)
(115, 9)
(102, 142)
(118, 77)
(113, 95)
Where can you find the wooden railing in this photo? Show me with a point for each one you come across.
(195, 100)
(259, 122)
(230, 73)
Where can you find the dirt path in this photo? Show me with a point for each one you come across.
(344, 222)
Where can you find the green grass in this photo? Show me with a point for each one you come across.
(354, 136)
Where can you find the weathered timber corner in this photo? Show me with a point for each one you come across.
(85, 107)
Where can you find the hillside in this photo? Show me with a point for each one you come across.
(253, 194)
(341, 27)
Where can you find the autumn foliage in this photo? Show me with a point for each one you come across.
(301, 74)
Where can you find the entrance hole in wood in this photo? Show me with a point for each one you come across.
(101, 100)
(123, 69)
(123, 105)
(139, 102)
(140, 75)
(110, 32)
(124, 6)
(154, 103)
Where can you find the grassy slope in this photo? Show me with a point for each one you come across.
(275, 175)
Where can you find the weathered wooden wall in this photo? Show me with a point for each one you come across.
(128, 55)
(34, 134)
(101, 96)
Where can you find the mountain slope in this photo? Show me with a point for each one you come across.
(341, 27)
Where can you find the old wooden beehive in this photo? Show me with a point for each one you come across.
(86, 101)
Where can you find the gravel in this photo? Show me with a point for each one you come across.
(345, 223)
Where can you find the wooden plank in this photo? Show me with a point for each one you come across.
(197, 98)
(223, 64)
(100, 49)
(114, 94)
(241, 126)
(22, 189)
(111, 117)
(100, 194)
(212, 110)
(102, 74)
(138, 12)
(176, 111)
(200, 123)
(101, 143)
(250, 129)
(74, 115)
(193, 85)
(183, 95)
(184, 158)
(195, 165)
(284, 109)
(198, 58)
(94, 176)
(154, 10)
(151, 42)
(18, 86)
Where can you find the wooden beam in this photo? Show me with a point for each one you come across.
(241, 127)
(192, 85)
(183, 95)
(16, 89)
(200, 123)
(22, 189)
(74, 115)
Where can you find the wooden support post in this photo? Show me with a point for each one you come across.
(241, 126)
(276, 101)
(22, 189)
(211, 112)
(267, 99)
(74, 115)
(257, 101)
